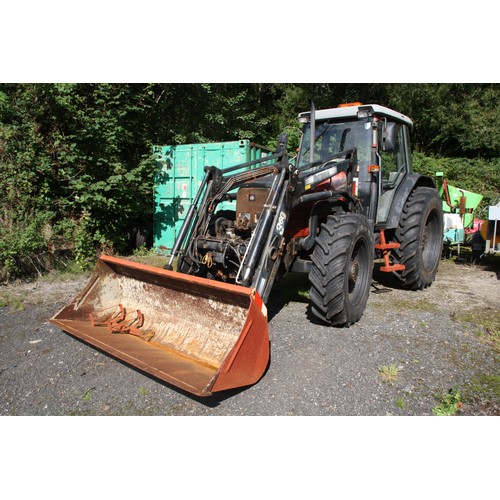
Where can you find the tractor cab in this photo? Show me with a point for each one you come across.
(380, 138)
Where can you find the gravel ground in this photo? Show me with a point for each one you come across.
(314, 370)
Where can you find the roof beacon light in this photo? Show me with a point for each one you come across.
(349, 104)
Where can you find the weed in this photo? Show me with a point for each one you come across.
(150, 258)
(88, 395)
(400, 403)
(143, 391)
(449, 403)
(143, 251)
(389, 373)
(18, 304)
(65, 270)
(485, 386)
(294, 287)
(423, 305)
(14, 301)
(487, 319)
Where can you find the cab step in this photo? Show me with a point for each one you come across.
(386, 251)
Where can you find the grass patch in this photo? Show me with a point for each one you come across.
(151, 259)
(294, 287)
(88, 395)
(389, 373)
(487, 319)
(449, 404)
(484, 386)
(408, 305)
(14, 301)
(65, 271)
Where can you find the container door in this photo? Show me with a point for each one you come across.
(175, 188)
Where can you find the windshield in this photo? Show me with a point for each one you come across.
(333, 138)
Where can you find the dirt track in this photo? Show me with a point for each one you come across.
(314, 370)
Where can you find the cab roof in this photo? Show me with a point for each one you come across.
(357, 110)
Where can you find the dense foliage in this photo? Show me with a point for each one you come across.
(76, 169)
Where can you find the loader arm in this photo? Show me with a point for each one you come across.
(265, 251)
(255, 261)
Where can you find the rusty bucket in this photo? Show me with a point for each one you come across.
(199, 335)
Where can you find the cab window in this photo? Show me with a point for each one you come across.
(394, 163)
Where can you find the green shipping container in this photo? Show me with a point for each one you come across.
(179, 175)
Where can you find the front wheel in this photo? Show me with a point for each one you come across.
(341, 271)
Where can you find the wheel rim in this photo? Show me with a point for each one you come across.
(357, 272)
(431, 239)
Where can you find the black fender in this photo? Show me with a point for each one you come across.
(403, 191)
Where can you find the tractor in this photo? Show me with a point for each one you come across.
(347, 198)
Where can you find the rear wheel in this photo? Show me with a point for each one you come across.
(341, 271)
(420, 234)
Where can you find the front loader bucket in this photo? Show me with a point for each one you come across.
(200, 335)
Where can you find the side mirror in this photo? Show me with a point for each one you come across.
(389, 136)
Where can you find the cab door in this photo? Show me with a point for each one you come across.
(395, 163)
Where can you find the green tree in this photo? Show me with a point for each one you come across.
(69, 150)
(76, 166)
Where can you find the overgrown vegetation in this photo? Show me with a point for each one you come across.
(486, 319)
(484, 388)
(14, 301)
(449, 404)
(77, 174)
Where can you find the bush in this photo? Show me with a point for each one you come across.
(22, 236)
(477, 175)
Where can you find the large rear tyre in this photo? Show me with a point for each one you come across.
(420, 234)
(341, 271)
